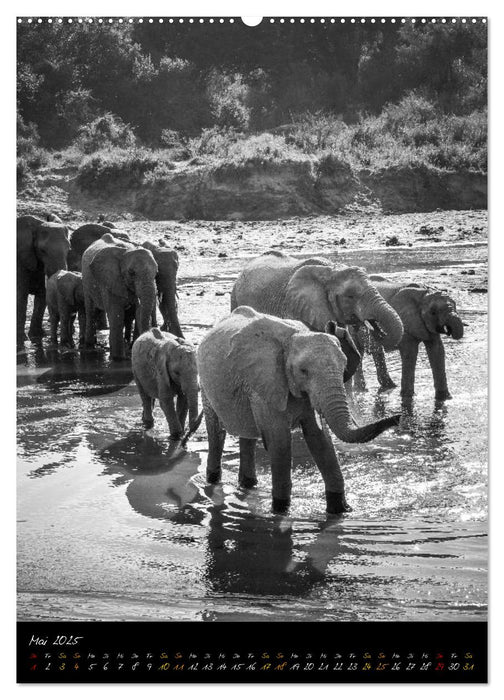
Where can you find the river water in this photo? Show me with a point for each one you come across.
(118, 524)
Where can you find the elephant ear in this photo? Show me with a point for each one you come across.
(257, 357)
(106, 267)
(306, 296)
(348, 346)
(408, 303)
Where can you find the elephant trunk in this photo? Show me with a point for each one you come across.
(454, 327)
(168, 305)
(334, 408)
(374, 308)
(190, 389)
(146, 299)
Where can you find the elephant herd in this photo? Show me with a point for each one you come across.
(283, 358)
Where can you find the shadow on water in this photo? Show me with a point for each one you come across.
(157, 473)
(245, 553)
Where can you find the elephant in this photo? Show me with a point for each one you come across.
(118, 278)
(164, 368)
(260, 377)
(166, 284)
(83, 237)
(65, 299)
(315, 291)
(42, 250)
(426, 314)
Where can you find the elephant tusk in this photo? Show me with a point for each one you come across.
(368, 326)
(319, 419)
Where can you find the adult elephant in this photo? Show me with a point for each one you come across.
(315, 291)
(166, 284)
(426, 314)
(42, 249)
(117, 277)
(82, 237)
(261, 376)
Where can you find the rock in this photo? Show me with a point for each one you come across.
(479, 290)
(222, 255)
(393, 240)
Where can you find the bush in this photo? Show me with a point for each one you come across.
(215, 142)
(316, 132)
(30, 156)
(22, 171)
(105, 131)
(116, 169)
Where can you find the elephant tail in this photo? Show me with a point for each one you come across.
(157, 333)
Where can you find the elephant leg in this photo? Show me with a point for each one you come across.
(154, 317)
(359, 381)
(173, 326)
(22, 301)
(436, 354)
(54, 319)
(129, 317)
(216, 437)
(81, 314)
(90, 332)
(66, 329)
(384, 378)
(101, 320)
(247, 472)
(409, 352)
(167, 403)
(182, 409)
(39, 304)
(115, 315)
(147, 405)
(323, 452)
(276, 437)
(359, 337)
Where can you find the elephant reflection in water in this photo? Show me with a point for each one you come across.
(253, 555)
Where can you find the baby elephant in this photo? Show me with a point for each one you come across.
(164, 368)
(65, 300)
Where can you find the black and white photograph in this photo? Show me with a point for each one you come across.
(252, 295)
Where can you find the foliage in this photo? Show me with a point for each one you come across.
(138, 98)
(192, 77)
(105, 131)
(118, 168)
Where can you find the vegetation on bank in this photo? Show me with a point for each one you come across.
(128, 104)
(411, 134)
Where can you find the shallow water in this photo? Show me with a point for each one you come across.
(115, 523)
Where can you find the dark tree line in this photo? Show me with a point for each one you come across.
(167, 78)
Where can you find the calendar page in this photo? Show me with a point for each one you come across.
(252, 294)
